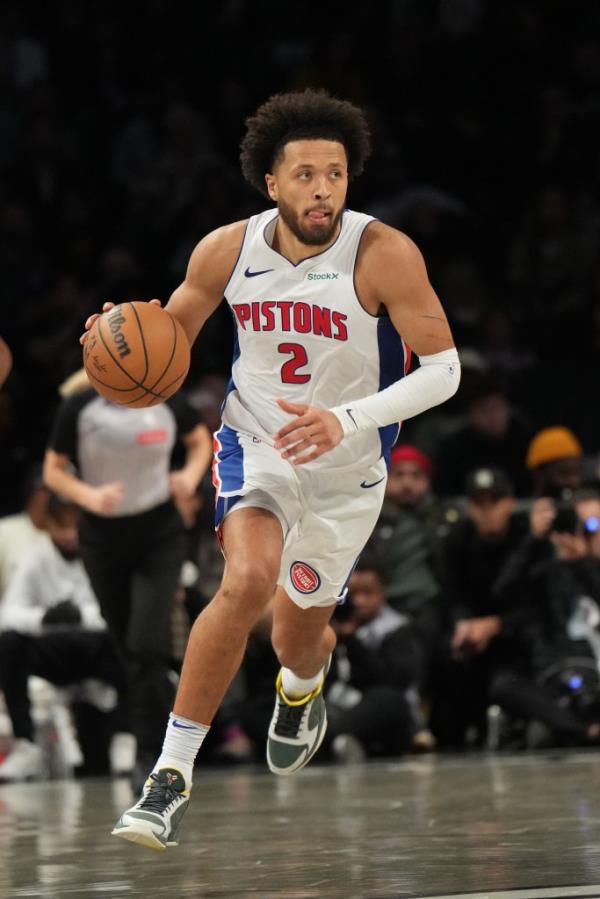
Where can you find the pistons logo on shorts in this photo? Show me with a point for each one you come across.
(304, 578)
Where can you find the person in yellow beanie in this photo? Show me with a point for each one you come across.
(555, 458)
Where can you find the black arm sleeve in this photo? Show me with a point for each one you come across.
(63, 436)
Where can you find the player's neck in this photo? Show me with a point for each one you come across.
(286, 243)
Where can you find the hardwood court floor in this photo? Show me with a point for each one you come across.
(426, 827)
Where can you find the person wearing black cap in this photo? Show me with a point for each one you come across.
(479, 632)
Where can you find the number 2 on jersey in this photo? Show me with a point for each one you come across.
(289, 369)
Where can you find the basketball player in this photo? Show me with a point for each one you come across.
(5, 361)
(326, 304)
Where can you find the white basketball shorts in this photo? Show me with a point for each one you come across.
(326, 516)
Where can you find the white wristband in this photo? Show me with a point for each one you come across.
(435, 381)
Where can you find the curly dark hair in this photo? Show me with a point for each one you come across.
(306, 115)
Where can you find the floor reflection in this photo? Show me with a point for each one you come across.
(380, 831)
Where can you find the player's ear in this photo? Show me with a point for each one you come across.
(271, 186)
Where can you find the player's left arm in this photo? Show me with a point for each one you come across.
(393, 275)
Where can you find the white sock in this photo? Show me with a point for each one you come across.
(296, 687)
(183, 739)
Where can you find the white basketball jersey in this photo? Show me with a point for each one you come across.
(302, 334)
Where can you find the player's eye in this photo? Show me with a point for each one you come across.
(304, 175)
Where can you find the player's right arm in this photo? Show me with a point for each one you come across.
(209, 269)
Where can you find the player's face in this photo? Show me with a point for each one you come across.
(309, 185)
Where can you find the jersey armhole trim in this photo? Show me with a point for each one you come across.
(358, 246)
(237, 261)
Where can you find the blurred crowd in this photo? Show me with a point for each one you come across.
(120, 132)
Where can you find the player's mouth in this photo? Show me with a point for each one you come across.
(319, 216)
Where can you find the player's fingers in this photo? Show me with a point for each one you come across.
(108, 305)
(291, 408)
(294, 426)
(308, 457)
(90, 321)
(155, 302)
(297, 449)
(308, 438)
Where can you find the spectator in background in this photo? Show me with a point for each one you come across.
(480, 632)
(132, 536)
(554, 578)
(493, 434)
(25, 531)
(555, 461)
(404, 539)
(373, 697)
(51, 627)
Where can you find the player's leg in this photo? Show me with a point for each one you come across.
(303, 641)
(253, 541)
(337, 518)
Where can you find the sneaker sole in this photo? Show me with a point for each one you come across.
(284, 772)
(141, 836)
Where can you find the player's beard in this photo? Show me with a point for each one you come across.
(312, 235)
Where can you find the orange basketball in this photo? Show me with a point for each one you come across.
(136, 354)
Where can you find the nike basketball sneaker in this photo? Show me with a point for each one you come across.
(154, 821)
(296, 731)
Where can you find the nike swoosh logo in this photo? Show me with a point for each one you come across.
(250, 274)
(184, 726)
(374, 484)
(351, 417)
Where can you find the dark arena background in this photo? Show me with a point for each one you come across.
(120, 127)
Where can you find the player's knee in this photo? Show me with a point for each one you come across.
(250, 583)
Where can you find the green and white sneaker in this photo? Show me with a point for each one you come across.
(296, 731)
(154, 821)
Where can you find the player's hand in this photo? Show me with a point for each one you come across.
(105, 308)
(183, 484)
(311, 433)
(105, 499)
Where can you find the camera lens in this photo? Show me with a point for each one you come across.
(591, 524)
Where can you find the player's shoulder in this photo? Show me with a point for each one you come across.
(225, 239)
(216, 254)
(381, 239)
(386, 249)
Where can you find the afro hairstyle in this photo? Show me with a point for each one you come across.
(306, 115)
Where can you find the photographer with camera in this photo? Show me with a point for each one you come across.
(480, 638)
(555, 578)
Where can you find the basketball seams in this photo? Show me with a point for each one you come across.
(137, 384)
(116, 361)
(145, 396)
(143, 339)
(168, 365)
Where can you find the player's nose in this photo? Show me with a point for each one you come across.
(321, 190)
